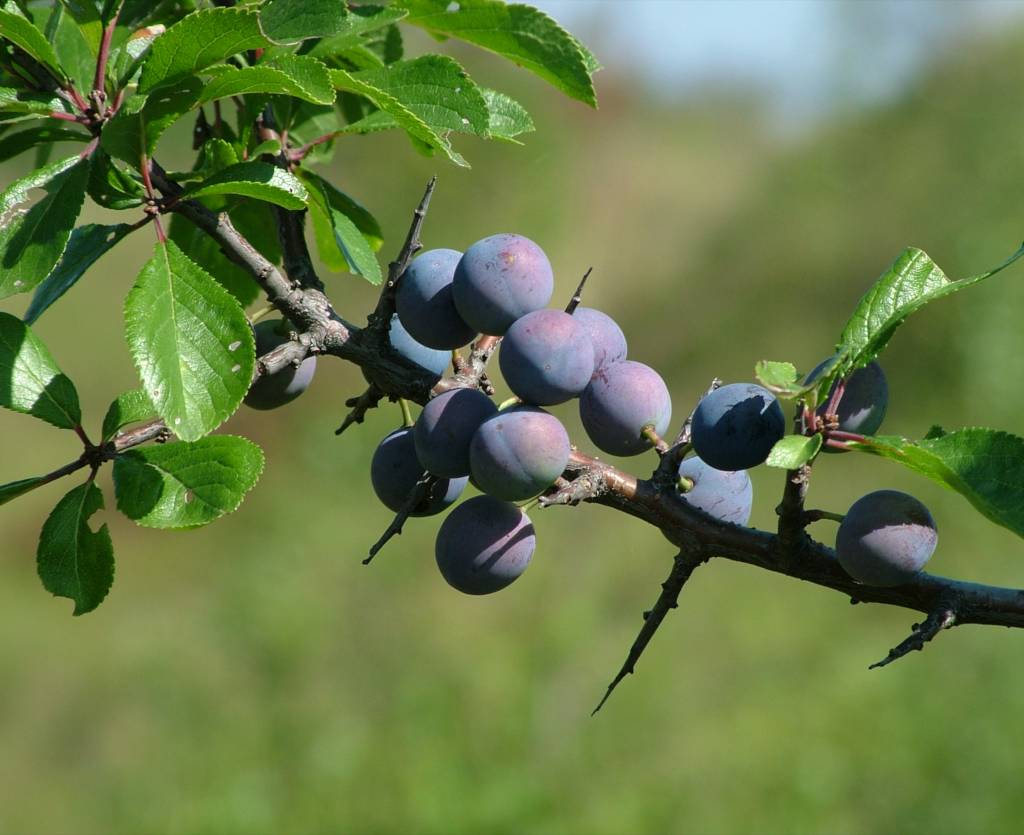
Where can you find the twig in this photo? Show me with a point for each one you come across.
(360, 406)
(472, 372)
(668, 466)
(942, 618)
(381, 316)
(682, 567)
(419, 492)
(577, 297)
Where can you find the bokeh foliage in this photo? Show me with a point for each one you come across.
(253, 676)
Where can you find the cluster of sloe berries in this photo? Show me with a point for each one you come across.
(501, 286)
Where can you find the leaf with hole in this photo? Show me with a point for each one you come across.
(73, 560)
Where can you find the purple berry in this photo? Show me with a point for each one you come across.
(429, 359)
(605, 335)
(621, 400)
(445, 428)
(499, 279)
(483, 545)
(736, 426)
(395, 470)
(886, 538)
(425, 304)
(518, 453)
(726, 495)
(864, 402)
(546, 357)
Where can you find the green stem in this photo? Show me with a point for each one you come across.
(259, 314)
(407, 419)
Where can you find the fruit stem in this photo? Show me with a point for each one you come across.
(506, 404)
(259, 314)
(816, 515)
(655, 439)
(407, 419)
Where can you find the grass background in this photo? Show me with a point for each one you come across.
(252, 676)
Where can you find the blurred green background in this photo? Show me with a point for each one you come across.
(252, 676)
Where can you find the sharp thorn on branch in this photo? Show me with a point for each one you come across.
(360, 406)
(941, 618)
(682, 568)
(577, 297)
(419, 492)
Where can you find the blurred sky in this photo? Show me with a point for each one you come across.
(809, 57)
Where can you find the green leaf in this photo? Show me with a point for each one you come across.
(437, 90)
(141, 121)
(507, 118)
(185, 485)
(198, 41)
(523, 34)
(365, 222)
(290, 75)
(779, 377)
(191, 343)
(87, 244)
(794, 451)
(908, 285)
(361, 21)
(341, 245)
(256, 223)
(291, 21)
(17, 143)
(126, 61)
(131, 407)
(36, 104)
(983, 465)
(30, 381)
(259, 180)
(111, 187)
(74, 561)
(10, 491)
(393, 114)
(76, 57)
(20, 31)
(31, 243)
(87, 16)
